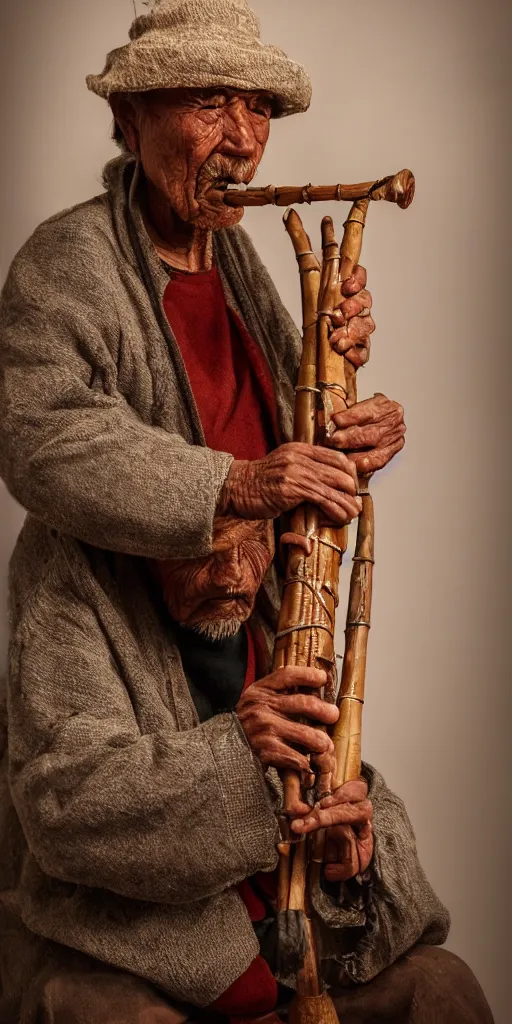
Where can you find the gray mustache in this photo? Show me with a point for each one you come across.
(221, 168)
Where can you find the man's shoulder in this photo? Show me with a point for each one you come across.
(79, 234)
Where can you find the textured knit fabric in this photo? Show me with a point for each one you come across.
(108, 843)
(202, 44)
(230, 380)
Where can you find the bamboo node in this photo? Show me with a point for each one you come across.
(327, 386)
(306, 198)
(306, 387)
(362, 558)
(360, 623)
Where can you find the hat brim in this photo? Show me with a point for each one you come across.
(154, 63)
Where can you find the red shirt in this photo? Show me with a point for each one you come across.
(229, 375)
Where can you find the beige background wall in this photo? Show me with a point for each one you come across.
(416, 84)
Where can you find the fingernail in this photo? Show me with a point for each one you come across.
(297, 823)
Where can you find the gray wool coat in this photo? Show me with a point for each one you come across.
(125, 824)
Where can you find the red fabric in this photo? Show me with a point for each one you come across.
(233, 390)
(229, 375)
(254, 993)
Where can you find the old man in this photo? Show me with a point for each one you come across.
(147, 392)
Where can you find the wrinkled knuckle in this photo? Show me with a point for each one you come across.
(286, 675)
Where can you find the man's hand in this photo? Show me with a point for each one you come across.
(370, 433)
(352, 320)
(347, 815)
(267, 712)
(290, 475)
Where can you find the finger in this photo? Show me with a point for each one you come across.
(355, 283)
(306, 706)
(354, 306)
(357, 332)
(327, 486)
(368, 411)
(314, 741)
(358, 355)
(297, 540)
(337, 460)
(351, 307)
(296, 675)
(334, 514)
(341, 814)
(347, 864)
(326, 476)
(354, 791)
(380, 435)
(365, 846)
(370, 462)
(279, 755)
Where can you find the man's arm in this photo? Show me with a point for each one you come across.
(151, 814)
(72, 450)
(402, 910)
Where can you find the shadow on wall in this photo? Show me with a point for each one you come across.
(11, 518)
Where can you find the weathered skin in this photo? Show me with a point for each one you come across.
(215, 595)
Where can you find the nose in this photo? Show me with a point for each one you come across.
(239, 139)
(228, 571)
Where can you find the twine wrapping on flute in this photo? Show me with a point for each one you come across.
(326, 385)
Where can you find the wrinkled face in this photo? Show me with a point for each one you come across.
(216, 594)
(194, 142)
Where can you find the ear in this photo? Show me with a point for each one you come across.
(126, 114)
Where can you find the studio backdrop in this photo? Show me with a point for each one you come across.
(396, 84)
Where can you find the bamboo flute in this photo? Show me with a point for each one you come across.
(286, 195)
(326, 385)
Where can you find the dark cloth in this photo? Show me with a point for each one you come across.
(216, 670)
(427, 986)
(228, 373)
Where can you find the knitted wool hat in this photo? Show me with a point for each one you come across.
(202, 44)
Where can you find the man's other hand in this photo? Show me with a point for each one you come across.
(352, 320)
(370, 433)
(347, 815)
(268, 713)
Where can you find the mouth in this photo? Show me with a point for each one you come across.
(222, 185)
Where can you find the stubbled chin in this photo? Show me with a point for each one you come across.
(217, 629)
(215, 216)
(219, 619)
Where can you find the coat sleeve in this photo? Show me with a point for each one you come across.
(73, 451)
(402, 910)
(155, 815)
